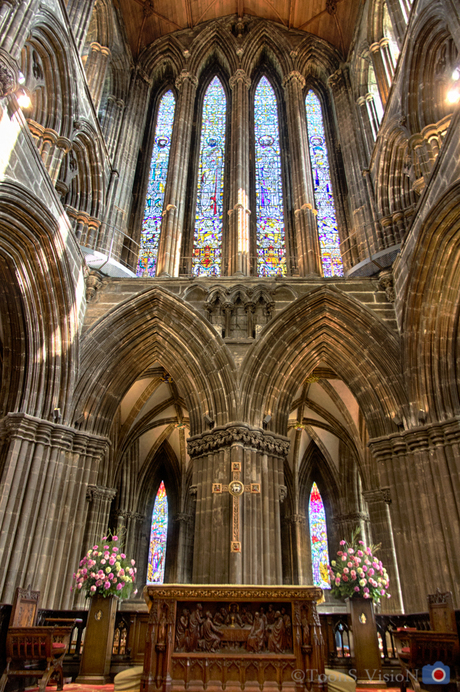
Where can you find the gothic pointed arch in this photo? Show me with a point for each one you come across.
(166, 330)
(326, 324)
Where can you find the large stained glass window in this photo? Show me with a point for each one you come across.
(158, 535)
(151, 225)
(271, 249)
(318, 539)
(329, 241)
(207, 247)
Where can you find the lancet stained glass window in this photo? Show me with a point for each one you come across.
(329, 240)
(271, 249)
(158, 535)
(207, 248)
(318, 539)
(151, 225)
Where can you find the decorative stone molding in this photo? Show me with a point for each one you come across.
(9, 74)
(269, 593)
(386, 284)
(186, 77)
(239, 76)
(99, 492)
(293, 77)
(183, 518)
(377, 495)
(275, 445)
(123, 513)
(425, 437)
(138, 518)
(354, 516)
(94, 281)
(282, 493)
(296, 519)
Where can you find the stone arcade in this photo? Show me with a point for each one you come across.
(113, 382)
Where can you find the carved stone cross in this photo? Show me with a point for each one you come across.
(236, 488)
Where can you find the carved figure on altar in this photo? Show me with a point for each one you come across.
(211, 635)
(256, 637)
(182, 630)
(246, 616)
(288, 630)
(270, 614)
(233, 617)
(277, 635)
(196, 622)
(220, 618)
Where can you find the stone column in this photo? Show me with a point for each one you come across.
(96, 69)
(176, 187)
(239, 212)
(16, 18)
(422, 469)
(306, 232)
(43, 510)
(111, 122)
(238, 533)
(184, 521)
(125, 161)
(301, 551)
(378, 501)
(80, 13)
(353, 159)
(100, 500)
(383, 68)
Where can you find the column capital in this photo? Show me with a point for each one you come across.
(238, 434)
(335, 81)
(292, 78)
(239, 76)
(377, 495)
(99, 492)
(9, 74)
(186, 77)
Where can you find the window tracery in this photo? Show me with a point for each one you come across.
(153, 213)
(207, 250)
(158, 536)
(271, 248)
(329, 240)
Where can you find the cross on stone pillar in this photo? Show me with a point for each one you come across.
(236, 489)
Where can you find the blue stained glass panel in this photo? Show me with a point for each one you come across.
(318, 539)
(151, 225)
(329, 240)
(158, 535)
(271, 249)
(207, 248)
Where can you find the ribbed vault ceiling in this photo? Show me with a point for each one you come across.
(148, 20)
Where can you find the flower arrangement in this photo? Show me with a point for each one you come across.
(357, 572)
(106, 570)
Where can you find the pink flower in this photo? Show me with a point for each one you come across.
(366, 595)
(350, 551)
(103, 561)
(382, 593)
(345, 577)
(345, 570)
(123, 556)
(359, 553)
(121, 572)
(106, 555)
(366, 589)
(133, 562)
(104, 538)
(344, 557)
(114, 538)
(361, 542)
(356, 589)
(349, 564)
(110, 576)
(107, 585)
(95, 547)
(115, 549)
(337, 581)
(119, 587)
(370, 572)
(111, 560)
(342, 542)
(353, 573)
(106, 547)
(93, 588)
(79, 586)
(364, 568)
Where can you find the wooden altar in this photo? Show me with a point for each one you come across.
(220, 637)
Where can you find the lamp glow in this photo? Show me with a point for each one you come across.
(24, 100)
(453, 96)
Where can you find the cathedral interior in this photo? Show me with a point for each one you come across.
(230, 284)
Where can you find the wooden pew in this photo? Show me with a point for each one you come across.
(418, 648)
(31, 650)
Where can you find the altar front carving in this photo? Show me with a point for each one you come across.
(233, 637)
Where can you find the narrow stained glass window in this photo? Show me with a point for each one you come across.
(207, 249)
(151, 225)
(158, 535)
(329, 241)
(271, 249)
(318, 539)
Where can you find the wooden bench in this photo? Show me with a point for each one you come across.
(418, 648)
(31, 650)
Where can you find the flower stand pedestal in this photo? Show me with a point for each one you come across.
(368, 662)
(97, 648)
